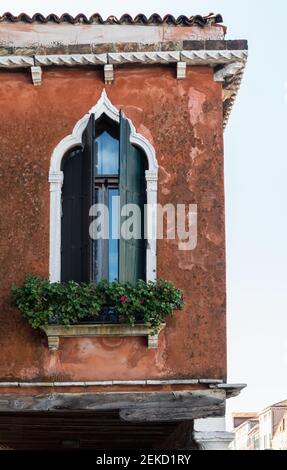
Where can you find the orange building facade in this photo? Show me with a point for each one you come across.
(175, 81)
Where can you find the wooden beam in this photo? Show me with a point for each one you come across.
(161, 414)
(134, 407)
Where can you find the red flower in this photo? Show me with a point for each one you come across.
(142, 301)
(123, 298)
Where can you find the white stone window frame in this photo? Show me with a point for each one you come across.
(56, 178)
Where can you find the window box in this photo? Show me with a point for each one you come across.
(102, 309)
(55, 332)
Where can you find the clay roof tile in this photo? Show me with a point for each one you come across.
(125, 19)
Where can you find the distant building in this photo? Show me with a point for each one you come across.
(253, 442)
(243, 424)
(260, 431)
(279, 441)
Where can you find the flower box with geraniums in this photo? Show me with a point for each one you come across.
(101, 309)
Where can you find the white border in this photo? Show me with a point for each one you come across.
(56, 177)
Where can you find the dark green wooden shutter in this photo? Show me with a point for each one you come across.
(71, 240)
(88, 198)
(132, 191)
(77, 197)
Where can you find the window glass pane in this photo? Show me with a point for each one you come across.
(107, 150)
(113, 243)
(98, 243)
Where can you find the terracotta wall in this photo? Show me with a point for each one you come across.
(183, 120)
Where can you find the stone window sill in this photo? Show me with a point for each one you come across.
(55, 332)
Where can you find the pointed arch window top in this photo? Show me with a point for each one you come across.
(102, 107)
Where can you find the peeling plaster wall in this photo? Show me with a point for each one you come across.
(183, 120)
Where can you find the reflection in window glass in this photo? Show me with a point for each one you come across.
(107, 151)
(113, 243)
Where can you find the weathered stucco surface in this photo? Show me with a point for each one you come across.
(183, 120)
(29, 35)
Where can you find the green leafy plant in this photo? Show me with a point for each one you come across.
(43, 303)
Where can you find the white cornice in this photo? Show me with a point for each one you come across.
(71, 59)
(213, 57)
(157, 57)
(16, 61)
(202, 57)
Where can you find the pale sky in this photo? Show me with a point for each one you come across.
(255, 179)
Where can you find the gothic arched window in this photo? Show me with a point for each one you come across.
(107, 169)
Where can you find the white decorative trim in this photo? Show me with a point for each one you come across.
(151, 221)
(15, 61)
(181, 70)
(201, 57)
(228, 71)
(109, 73)
(230, 90)
(56, 181)
(213, 57)
(93, 383)
(36, 73)
(103, 106)
(157, 57)
(232, 390)
(71, 59)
